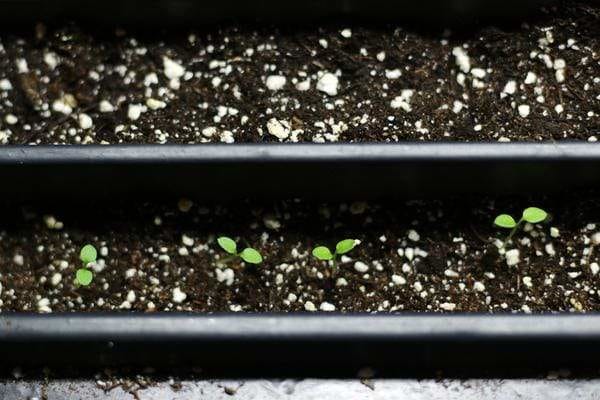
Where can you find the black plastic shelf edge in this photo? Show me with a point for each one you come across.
(277, 344)
(297, 170)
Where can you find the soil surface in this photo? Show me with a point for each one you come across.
(438, 256)
(536, 81)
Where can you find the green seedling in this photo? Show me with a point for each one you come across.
(324, 254)
(533, 215)
(88, 254)
(249, 254)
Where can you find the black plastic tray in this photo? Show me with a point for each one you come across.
(327, 171)
(163, 13)
(302, 344)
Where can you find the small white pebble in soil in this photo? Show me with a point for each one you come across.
(226, 276)
(187, 241)
(524, 110)
(527, 281)
(360, 266)
(275, 82)
(10, 119)
(413, 235)
(310, 306)
(596, 238)
(595, 268)
(18, 259)
(135, 111)
(462, 59)
(554, 232)
(448, 306)
(85, 121)
(341, 282)
(43, 305)
(5, 85)
(106, 107)
(155, 104)
(325, 306)
(550, 249)
(478, 286)
(398, 280)
(56, 278)
(393, 73)
(328, 83)
(512, 257)
(303, 86)
(172, 69)
(531, 78)
(279, 129)
(178, 295)
(346, 33)
(510, 88)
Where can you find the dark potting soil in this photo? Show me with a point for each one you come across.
(413, 256)
(536, 81)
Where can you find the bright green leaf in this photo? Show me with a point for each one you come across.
(534, 215)
(227, 244)
(251, 256)
(322, 253)
(345, 246)
(505, 221)
(84, 276)
(88, 254)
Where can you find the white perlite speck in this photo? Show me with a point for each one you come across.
(172, 69)
(178, 295)
(106, 107)
(398, 280)
(310, 306)
(226, 276)
(325, 306)
(360, 266)
(524, 110)
(275, 82)
(403, 101)
(554, 232)
(527, 281)
(303, 86)
(595, 268)
(134, 111)
(462, 59)
(279, 129)
(596, 238)
(328, 83)
(155, 104)
(85, 121)
(347, 33)
(209, 131)
(43, 305)
(5, 85)
(512, 257)
(510, 88)
(478, 286)
(11, 119)
(413, 235)
(448, 306)
(56, 278)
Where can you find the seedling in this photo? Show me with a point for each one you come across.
(88, 254)
(533, 215)
(249, 254)
(324, 254)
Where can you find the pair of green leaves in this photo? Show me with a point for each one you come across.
(88, 254)
(249, 254)
(533, 215)
(324, 254)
